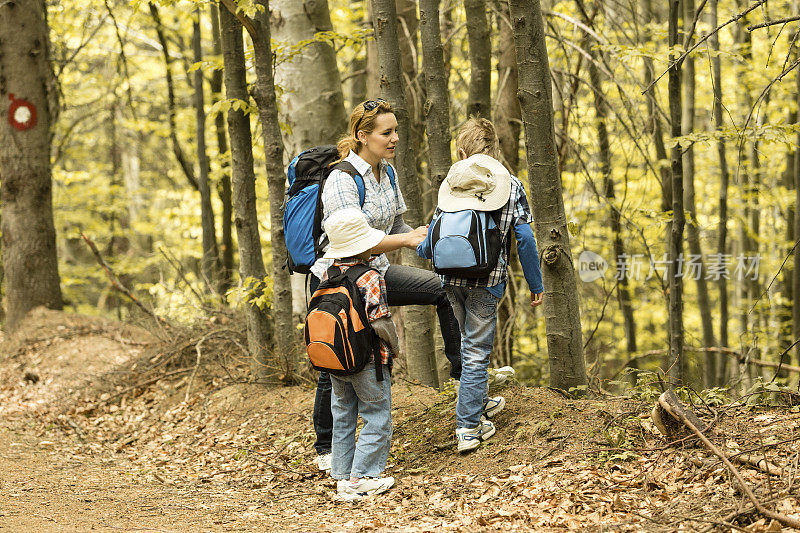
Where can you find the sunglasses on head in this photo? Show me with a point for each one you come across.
(369, 105)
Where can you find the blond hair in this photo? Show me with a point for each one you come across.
(363, 120)
(477, 136)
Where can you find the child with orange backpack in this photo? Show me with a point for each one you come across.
(349, 333)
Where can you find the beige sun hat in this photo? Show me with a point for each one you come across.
(478, 182)
(350, 234)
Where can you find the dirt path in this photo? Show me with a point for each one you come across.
(102, 455)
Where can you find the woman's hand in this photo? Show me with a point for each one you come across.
(416, 236)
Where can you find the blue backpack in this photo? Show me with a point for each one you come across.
(302, 206)
(466, 244)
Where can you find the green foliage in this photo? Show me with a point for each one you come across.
(116, 178)
(770, 394)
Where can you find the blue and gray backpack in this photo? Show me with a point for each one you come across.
(302, 206)
(466, 244)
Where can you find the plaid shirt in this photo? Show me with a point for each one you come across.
(373, 290)
(516, 211)
(382, 204)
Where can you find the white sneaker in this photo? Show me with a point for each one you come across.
(366, 486)
(500, 376)
(324, 462)
(469, 439)
(493, 406)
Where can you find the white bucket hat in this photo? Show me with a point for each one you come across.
(478, 182)
(350, 234)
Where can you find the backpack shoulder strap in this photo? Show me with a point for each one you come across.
(356, 271)
(390, 171)
(496, 216)
(346, 166)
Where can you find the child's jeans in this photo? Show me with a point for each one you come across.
(361, 394)
(476, 312)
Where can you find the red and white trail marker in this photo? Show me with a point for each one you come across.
(21, 114)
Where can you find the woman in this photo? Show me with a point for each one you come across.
(370, 143)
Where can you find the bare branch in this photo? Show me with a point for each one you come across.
(775, 22)
(701, 41)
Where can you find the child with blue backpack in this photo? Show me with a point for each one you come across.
(479, 204)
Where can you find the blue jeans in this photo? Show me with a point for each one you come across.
(404, 286)
(361, 394)
(476, 312)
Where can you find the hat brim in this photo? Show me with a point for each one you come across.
(356, 245)
(496, 199)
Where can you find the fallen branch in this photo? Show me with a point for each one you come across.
(115, 283)
(721, 350)
(782, 518)
(144, 384)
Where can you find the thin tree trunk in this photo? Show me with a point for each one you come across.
(29, 237)
(186, 167)
(264, 95)
(718, 364)
(407, 26)
(508, 123)
(210, 264)
(796, 272)
(508, 117)
(653, 118)
(676, 369)
(251, 264)
(437, 106)
(224, 187)
(420, 358)
(601, 114)
(744, 41)
(480, 59)
(692, 228)
(373, 69)
(561, 308)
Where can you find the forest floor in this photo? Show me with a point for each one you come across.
(111, 427)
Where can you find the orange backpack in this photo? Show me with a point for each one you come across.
(339, 338)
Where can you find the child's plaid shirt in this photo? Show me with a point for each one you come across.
(373, 289)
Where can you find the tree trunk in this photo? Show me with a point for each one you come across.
(601, 114)
(251, 264)
(420, 359)
(718, 363)
(480, 59)
(676, 355)
(28, 86)
(264, 95)
(373, 69)
(414, 87)
(653, 118)
(210, 263)
(224, 187)
(692, 228)
(508, 117)
(437, 106)
(508, 124)
(744, 42)
(186, 166)
(796, 272)
(561, 308)
(313, 104)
